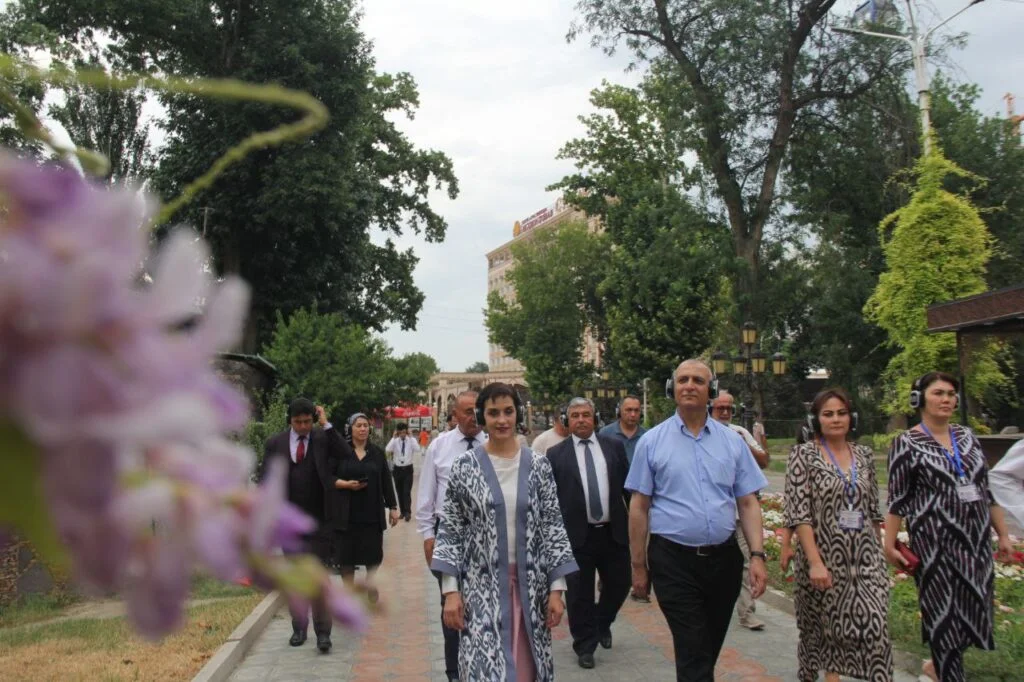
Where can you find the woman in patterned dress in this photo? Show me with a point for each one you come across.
(842, 584)
(502, 551)
(938, 482)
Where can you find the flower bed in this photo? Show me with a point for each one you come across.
(905, 616)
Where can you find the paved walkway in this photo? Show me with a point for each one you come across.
(405, 643)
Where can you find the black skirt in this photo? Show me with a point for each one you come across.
(361, 545)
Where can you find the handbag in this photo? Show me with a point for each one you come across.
(913, 561)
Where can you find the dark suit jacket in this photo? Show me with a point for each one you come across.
(570, 489)
(380, 487)
(317, 495)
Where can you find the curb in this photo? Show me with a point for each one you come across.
(228, 656)
(903, 660)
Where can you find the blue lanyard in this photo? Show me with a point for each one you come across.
(954, 460)
(849, 485)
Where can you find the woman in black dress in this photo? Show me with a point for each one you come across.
(366, 489)
(938, 482)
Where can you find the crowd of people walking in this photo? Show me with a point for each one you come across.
(518, 535)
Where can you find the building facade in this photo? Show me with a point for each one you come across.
(500, 264)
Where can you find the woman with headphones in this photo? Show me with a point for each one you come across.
(502, 550)
(366, 487)
(842, 584)
(938, 482)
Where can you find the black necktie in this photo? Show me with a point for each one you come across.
(596, 511)
(470, 442)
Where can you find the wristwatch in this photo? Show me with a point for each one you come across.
(762, 555)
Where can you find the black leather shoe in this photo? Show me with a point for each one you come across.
(298, 638)
(323, 643)
(586, 661)
(606, 640)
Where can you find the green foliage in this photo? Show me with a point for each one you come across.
(109, 122)
(293, 221)
(660, 293)
(555, 276)
(936, 251)
(342, 365)
(735, 81)
(275, 420)
(478, 367)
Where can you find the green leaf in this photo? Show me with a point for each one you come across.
(21, 497)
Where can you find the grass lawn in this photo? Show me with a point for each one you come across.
(107, 649)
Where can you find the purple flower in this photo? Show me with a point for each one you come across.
(122, 406)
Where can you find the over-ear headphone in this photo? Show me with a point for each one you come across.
(670, 387)
(917, 401)
(352, 420)
(564, 416)
(618, 407)
(516, 400)
(814, 424)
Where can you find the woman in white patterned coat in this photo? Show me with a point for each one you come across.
(503, 551)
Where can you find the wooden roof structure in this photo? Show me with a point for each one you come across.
(989, 313)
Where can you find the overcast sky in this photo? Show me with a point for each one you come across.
(500, 92)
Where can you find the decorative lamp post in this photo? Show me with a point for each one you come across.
(748, 362)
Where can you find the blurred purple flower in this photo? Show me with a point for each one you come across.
(121, 402)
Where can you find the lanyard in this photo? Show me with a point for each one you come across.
(954, 460)
(850, 485)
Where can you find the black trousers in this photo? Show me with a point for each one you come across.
(587, 620)
(318, 544)
(451, 641)
(403, 486)
(697, 595)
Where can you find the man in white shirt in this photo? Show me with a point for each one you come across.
(722, 409)
(1006, 481)
(590, 472)
(437, 464)
(553, 436)
(402, 447)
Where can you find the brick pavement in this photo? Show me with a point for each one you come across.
(405, 643)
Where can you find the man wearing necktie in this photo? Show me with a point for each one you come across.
(590, 472)
(437, 465)
(402, 448)
(312, 456)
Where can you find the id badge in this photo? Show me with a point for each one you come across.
(968, 493)
(850, 519)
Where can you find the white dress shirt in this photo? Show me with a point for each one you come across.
(437, 465)
(601, 467)
(1006, 481)
(293, 441)
(402, 449)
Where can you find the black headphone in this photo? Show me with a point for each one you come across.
(618, 408)
(516, 400)
(670, 387)
(917, 395)
(814, 424)
(564, 415)
(352, 420)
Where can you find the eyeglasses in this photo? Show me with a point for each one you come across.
(723, 408)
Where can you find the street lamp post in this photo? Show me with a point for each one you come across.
(748, 363)
(918, 42)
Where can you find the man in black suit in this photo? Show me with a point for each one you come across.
(590, 471)
(312, 456)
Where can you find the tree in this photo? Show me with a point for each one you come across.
(109, 122)
(294, 221)
(478, 368)
(342, 365)
(556, 272)
(740, 78)
(661, 290)
(936, 252)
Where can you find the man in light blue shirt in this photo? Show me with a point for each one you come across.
(689, 477)
(626, 429)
